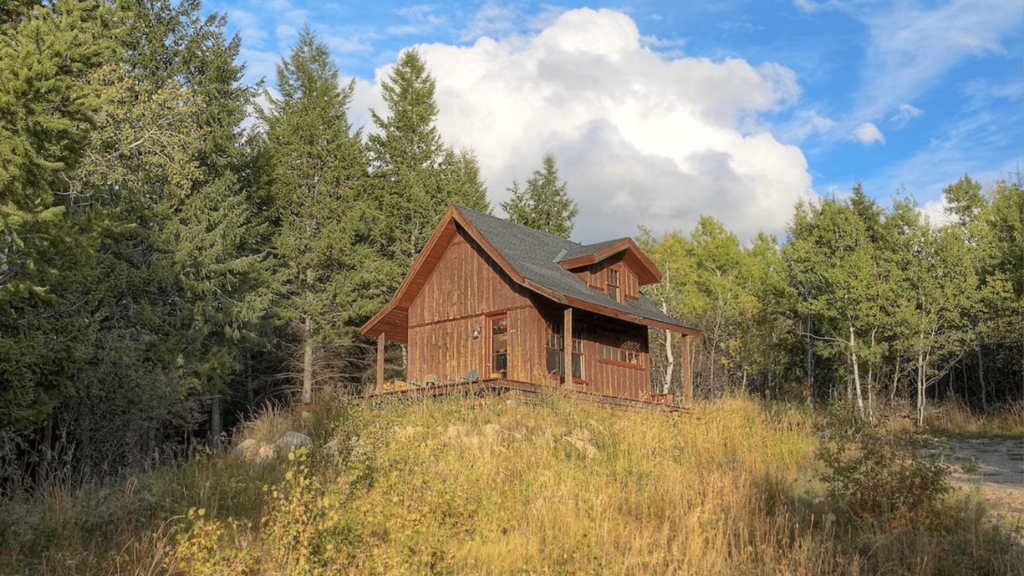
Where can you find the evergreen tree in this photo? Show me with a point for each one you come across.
(414, 176)
(467, 187)
(49, 56)
(544, 204)
(180, 284)
(320, 221)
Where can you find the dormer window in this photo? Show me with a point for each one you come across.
(614, 291)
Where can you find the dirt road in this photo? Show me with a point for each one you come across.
(995, 465)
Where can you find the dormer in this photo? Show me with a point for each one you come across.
(618, 268)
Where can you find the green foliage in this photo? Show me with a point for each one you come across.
(49, 57)
(712, 282)
(468, 188)
(544, 204)
(878, 477)
(410, 185)
(319, 220)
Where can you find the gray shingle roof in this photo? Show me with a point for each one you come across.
(536, 254)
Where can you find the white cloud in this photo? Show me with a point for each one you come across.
(346, 44)
(640, 138)
(935, 212)
(258, 64)
(868, 134)
(285, 32)
(910, 48)
(806, 123)
(494, 20)
(421, 19)
(905, 113)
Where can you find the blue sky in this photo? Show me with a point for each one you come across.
(661, 111)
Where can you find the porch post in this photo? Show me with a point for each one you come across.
(380, 363)
(687, 372)
(567, 347)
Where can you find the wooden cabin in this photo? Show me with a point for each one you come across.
(494, 302)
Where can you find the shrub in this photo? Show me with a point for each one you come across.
(878, 476)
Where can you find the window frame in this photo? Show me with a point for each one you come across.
(553, 330)
(617, 270)
(618, 354)
(493, 374)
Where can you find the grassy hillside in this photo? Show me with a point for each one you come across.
(503, 487)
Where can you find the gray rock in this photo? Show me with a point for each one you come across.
(292, 440)
(246, 450)
(265, 454)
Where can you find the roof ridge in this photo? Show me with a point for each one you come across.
(534, 230)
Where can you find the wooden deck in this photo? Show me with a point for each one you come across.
(479, 388)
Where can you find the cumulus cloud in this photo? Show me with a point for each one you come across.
(935, 212)
(868, 134)
(639, 137)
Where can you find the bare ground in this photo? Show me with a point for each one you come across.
(995, 466)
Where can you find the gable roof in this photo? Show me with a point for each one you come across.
(536, 260)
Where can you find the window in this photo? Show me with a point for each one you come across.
(629, 352)
(555, 344)
(577, 354)
(499, 346)
(555, 348)
(609, 352)
(613, 283)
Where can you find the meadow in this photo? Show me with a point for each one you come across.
(509, 486)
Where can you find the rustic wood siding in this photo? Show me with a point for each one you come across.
(596, 276)
(630, 284)
(622, 381)
(448, 328)
(466, 282)
(448, 325)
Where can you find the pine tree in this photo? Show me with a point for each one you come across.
(177, 283)
(545, 204)
(319, 218)
(411, 184)
(467, 187)
(49, 56)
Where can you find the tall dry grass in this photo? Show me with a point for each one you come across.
(503, 486)
(956, 418)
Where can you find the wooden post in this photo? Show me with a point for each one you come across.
(687, 373)
(380, 363)
(567, 347)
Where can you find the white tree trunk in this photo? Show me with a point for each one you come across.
(856, 373)
(920, 388)
(670, 359)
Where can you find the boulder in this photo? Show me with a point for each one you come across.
(265, 454)
(246, 450)
(292, 440)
